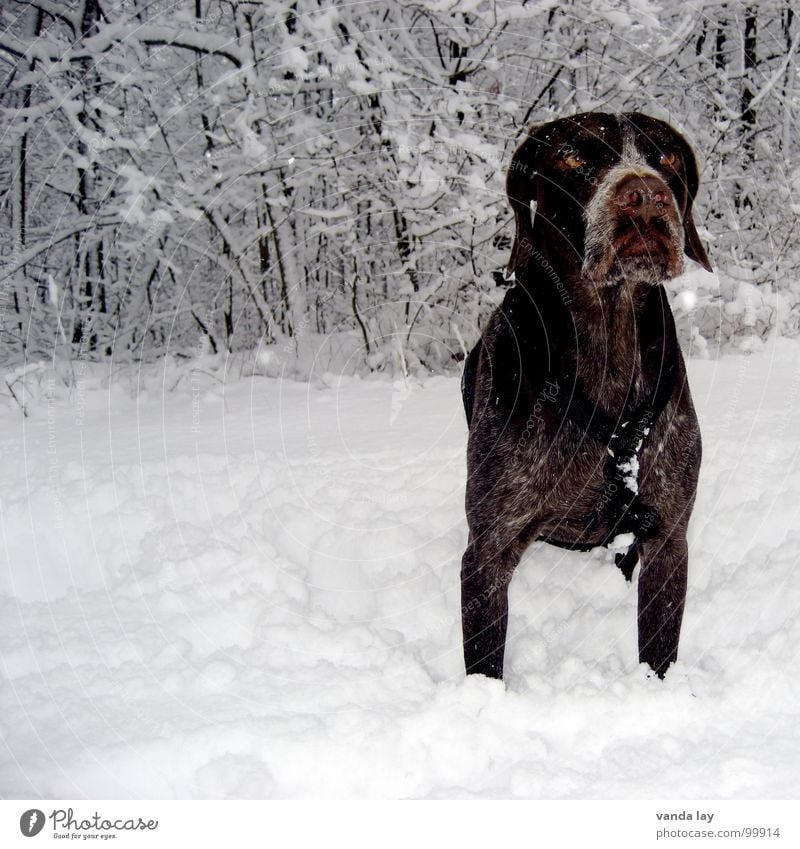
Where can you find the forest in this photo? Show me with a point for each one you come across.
(323, 183)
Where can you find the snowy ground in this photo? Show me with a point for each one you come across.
(250, 589)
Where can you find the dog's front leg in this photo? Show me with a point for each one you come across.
(662, 592)
(485, 575)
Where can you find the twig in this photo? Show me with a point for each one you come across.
(14, 396)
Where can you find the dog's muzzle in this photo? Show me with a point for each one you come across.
(633, 230)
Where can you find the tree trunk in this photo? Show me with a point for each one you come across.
(19, 210)
(788, 86)
(89, 250)
(749, 84)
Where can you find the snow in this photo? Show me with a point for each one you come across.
(631, 471)
(686, 300)
(248, 587)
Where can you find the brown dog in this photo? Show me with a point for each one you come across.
(581, 425)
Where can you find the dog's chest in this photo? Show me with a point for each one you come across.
(559, 468)
(566, 475)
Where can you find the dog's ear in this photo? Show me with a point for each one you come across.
(693, 247)
(521, 191)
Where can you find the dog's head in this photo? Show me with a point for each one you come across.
(605, 197)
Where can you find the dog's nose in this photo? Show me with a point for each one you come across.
(643, 196)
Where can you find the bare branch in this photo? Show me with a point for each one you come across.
(55, 11)
(31, 253)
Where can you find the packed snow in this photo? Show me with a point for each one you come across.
(224, 586)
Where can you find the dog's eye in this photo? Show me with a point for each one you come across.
(669, 159)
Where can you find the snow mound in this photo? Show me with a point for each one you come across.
(252, 590)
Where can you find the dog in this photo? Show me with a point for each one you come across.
(582, 431)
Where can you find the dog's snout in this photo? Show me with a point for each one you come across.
(642, 196)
